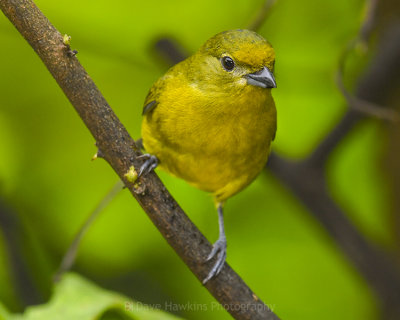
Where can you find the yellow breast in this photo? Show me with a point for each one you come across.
(218, 142)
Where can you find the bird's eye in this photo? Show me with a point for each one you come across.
(227, 63)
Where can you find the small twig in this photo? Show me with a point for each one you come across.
(358, 104)
(374, 86)
(121, 153)
(256, 23)
(69, 257)
(67, 43)
(368, 24)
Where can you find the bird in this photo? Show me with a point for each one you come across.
(211, 118)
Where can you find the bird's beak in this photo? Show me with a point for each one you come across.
(263, 78)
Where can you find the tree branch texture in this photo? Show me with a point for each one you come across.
(119, 150)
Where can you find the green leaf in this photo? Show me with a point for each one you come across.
(4, 315)
(76, 298)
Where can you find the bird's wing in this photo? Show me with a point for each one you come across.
(153, 96)
(274, 134)
(148, 107)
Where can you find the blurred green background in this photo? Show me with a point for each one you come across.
(48, 185)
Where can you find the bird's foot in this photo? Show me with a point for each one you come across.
(218, 248)
(150, 163)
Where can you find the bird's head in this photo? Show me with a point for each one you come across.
(236, 59)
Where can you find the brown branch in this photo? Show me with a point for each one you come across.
(308, 184)
(120, 152)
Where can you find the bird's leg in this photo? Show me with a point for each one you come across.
(218, 247)
(150, 163)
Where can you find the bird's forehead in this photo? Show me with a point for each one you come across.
(256, 55)
(244, 46)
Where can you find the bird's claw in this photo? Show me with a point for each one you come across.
(218, 248)
(150, 164)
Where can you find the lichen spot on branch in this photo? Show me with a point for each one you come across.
(131, 175)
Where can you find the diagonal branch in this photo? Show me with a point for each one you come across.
(120, 152)
(308, 184)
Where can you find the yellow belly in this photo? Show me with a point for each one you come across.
(218, 149)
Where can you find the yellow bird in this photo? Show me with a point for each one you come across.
(211, 118)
